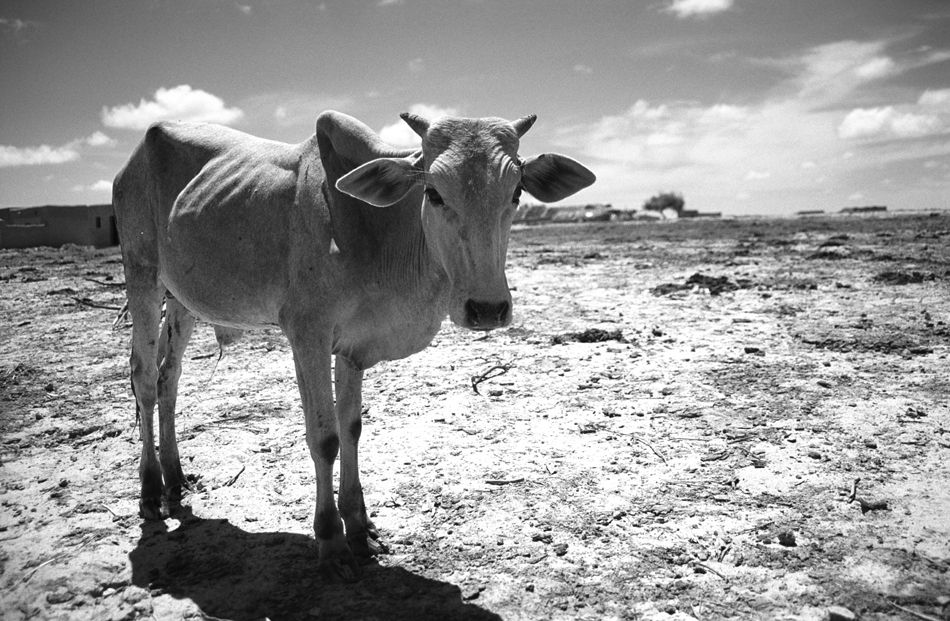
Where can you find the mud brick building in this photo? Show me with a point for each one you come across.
(56, 225)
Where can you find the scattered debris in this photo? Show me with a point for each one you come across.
(866, 505)
(716, 285)
(903, 278)
(590, 335)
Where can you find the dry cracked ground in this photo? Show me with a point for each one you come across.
(687, 420)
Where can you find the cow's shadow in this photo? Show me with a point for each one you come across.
(234, 574)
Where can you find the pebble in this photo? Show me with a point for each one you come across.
(840, 613)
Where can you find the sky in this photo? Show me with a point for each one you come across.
(743, 106)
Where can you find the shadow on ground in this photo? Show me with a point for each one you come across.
(233, 574)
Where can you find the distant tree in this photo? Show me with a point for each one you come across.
(664, 201)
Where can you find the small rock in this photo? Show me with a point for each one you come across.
(871, 444)
(529, 588)
(814, 454)
(560, 549)
(542, 537)
(787, 539)
(472, 592)
(943, 601)
(50, 387)
(840, 613)
(824, 383)
(752, 350)
(60, 596)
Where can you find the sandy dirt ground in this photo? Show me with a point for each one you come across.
(673, 429)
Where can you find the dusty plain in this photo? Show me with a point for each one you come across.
(696, 459)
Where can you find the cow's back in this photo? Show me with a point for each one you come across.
(216, 212)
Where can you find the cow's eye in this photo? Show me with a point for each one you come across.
(434, 197)
(517, 196)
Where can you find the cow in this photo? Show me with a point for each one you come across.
(352, 248)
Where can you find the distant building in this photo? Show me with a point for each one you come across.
(868, 209)
(541, 214)
(56, 225)
(694, 213)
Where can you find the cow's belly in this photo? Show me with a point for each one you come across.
(213, 297)
(225, 252)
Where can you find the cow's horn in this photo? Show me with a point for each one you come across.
(416, 122)
(523, 124)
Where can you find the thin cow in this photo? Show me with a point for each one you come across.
(351, 247)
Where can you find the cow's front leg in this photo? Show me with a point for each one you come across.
(361, 533)
(312, 361)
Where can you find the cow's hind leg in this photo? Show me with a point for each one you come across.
(361, 533)
(145, 300)
(175, 334)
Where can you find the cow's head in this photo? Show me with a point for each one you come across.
(473, 178)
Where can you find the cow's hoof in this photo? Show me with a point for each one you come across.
(335, 571)
(367, 545)
(153, 508)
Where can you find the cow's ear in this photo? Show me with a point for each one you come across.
(381, 182)
(550, 177)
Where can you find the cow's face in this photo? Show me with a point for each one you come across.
(472, 177)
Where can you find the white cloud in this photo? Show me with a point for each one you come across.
(585, 69)
(400, 135)
(876, 68)
(99, 139)
(698, 8)
(31, 156)
(245, 8)
(16, 27)
(416, 65)
(99, 186)
(939, 99)
(888, 122)
(856, 196)
(45, 154)
(757, 175)
(180, 103)
(389, 2)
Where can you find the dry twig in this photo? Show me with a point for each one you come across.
(106, 284)
(91, 304)
(489, 374)
(854, 490)
(919, 615)
(234, 479)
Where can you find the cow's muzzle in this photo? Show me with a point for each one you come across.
(487, 315)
